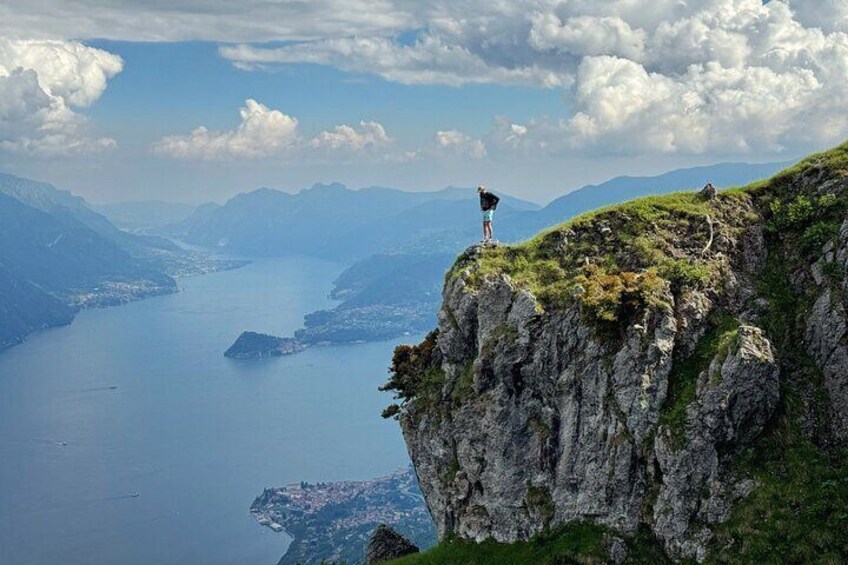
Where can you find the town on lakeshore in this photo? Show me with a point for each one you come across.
(331, 522)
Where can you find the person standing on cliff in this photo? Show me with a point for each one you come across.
(488, 203)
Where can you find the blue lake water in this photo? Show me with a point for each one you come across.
(196, 435)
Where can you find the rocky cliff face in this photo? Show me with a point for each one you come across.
(386, 544)
(613, 369)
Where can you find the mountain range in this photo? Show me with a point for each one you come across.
(330, 220)
(57, 255)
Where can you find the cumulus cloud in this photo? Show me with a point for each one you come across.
(428, 61)
(457, 144)
(638, 75)
(710, 107)
(264, 132)
(369, 136)
(736, 76)
(209, 20)
(41, 82)
(710, 76)
(586, 35)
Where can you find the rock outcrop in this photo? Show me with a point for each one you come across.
(735, 398)
(614, 375)
(386, 544)
(826, 336)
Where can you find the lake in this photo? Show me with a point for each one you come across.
(139, 400)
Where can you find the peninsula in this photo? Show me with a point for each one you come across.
(332, 522)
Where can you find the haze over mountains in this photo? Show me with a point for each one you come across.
(333, 221)
(58, 255)
(330, 220)
(145, 216)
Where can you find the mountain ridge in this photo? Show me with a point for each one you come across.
(53, 264)
(330, 220)
(359, 222)
(58, 254)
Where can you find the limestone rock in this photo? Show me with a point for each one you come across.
(553, 427)
(826, 336)
(735, 398)
(541, 420)
(618, 551)
(386, 544)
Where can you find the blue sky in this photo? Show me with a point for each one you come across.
(533, 97)
(161, 80)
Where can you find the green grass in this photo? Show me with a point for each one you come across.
(719, 337)
(463, 387)
(576, 543)
(799, 511)
(651, 244)
(835, 159)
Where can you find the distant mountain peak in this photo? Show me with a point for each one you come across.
(327, 187)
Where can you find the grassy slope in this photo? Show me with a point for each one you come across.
(799, 512)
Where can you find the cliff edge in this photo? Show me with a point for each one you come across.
(677, 364)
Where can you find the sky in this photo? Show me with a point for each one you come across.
(191, 101)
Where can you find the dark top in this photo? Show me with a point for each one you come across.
(488, 201)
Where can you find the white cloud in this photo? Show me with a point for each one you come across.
(66, 69)
(586, 35)
(736, 76)
(457, 144)
(428, 61)
(509, 135)
(687, 76)
(209, 20)
(370, 136)
(715, 76)
(642, 75)
(40, 83)
(264, 132)
(709, 108)
(261, 133)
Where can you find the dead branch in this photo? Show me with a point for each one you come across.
(712, 233)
